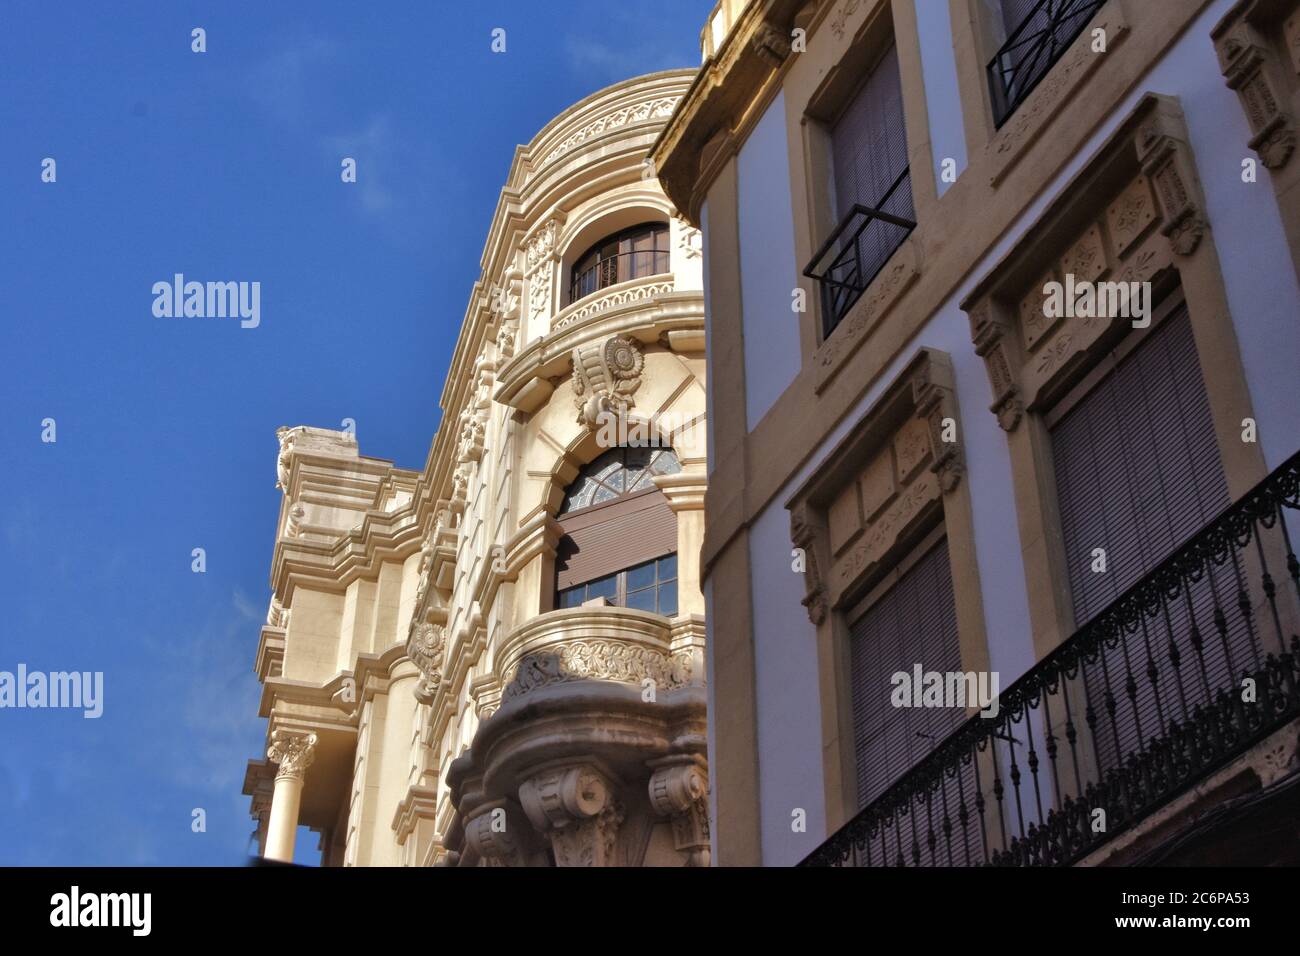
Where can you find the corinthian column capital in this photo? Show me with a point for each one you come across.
(294, 752)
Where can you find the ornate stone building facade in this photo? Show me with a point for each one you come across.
(499, 659)
(919, 461)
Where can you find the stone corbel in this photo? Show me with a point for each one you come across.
(679, 790)
(605, 376)
(1252, 69)
(576, 807)
(1164, 158)
(771, 44)
(499, 833)
(994, 339)
(294, 752)
(936, 404)
(804, 535)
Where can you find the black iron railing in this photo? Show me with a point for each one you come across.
(1032, 48)
(859, 248)
(1186, 670)
(620, 267)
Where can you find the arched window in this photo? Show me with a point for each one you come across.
(620, 536)
(630, 254)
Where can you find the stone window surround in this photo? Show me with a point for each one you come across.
(1149, 227)
(906, 484)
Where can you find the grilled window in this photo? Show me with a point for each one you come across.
(620, 535)
(1036, 34)
(630, 254)
(873, 192)
(1138, 473)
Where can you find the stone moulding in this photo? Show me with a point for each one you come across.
(601, 644)
(624, 293)
(880, 485)
(1143, 215)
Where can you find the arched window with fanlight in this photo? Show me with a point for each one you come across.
(620, 535)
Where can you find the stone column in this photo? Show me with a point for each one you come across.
(294, 752)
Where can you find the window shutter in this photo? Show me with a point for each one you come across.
(620, 534)
(1138, 473)
(869, 144)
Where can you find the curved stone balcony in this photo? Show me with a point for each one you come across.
(650, 309)
(599, 738)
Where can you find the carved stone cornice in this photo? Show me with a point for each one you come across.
(1246, 41)
(294, 752)
(575, 805)
(679, 790)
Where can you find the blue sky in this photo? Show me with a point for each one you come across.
(224, 166)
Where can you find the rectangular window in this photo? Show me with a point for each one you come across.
(872, 191)
(1137, 474)
(651, 586)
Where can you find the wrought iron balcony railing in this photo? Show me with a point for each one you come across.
(859, 248)
(619, 268)
(1032, 48)
(1142, 703)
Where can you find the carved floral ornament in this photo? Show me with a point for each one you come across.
(599, 659)
(846, 531)
(425, 648)
(294, 752)
(605, 376)
(1150, 223)
(1263, 81)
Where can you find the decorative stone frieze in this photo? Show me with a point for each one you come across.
(294, 752)
(598, 660)
(1246, 41)
(658, 108)
(605, 376)
(576, 807)
(624, 294)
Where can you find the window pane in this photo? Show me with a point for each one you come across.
(668, 567)
(668, 599)
(642, 600)
(642, 576)
(571, 597)
(606, 587)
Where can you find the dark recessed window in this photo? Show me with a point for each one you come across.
(620, 535)
(630, 254)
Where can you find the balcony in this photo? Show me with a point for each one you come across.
(1031, 50)
(1134, 709)
(617, 268)
(859, 248)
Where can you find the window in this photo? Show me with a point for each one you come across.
(1137, 474)
(651, 586)
(620, 535)
(630, 254)
(872, 191)
(913, 622)
(1036, 34)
